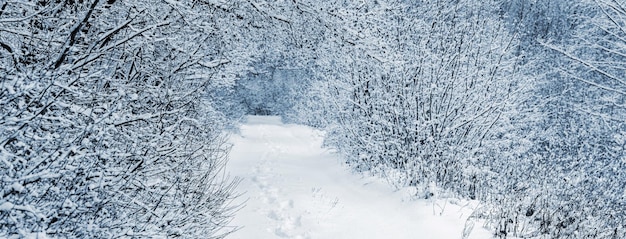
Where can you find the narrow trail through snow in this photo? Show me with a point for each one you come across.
(296, 189)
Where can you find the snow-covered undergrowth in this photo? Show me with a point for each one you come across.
(107, 127)
(295, 189)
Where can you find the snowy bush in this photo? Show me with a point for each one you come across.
(271, 92)
(106, 130)
(420, 94)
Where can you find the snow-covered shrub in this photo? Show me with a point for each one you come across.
(105, 127)
(271, 92)
(567, 180)
(420, 91)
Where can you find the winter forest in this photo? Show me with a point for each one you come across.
(115, 115)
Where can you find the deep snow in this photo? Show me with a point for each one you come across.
(296, 189)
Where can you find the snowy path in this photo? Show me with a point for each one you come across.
(295, 189)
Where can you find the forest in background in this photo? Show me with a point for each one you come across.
(114, 114)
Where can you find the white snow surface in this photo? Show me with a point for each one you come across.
(295, 189)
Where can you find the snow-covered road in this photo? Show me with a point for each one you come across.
(296, 189)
